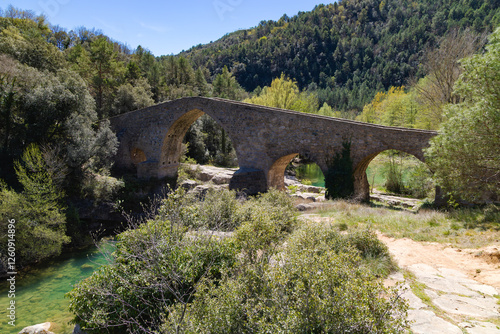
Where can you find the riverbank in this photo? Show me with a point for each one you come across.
(398, 226)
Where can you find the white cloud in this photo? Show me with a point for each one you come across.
(158, 29)
(108, 27)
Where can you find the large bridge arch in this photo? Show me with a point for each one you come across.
(265, 140)
(361, 185)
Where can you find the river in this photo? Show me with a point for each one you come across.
(310, 173)
(39, 295)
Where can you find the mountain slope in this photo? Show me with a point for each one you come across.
(349, 50)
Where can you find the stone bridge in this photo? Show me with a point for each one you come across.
(265, 139)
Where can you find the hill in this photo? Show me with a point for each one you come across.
(346, 51)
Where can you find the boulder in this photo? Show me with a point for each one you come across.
(37, 329)
(222, 178)
(189, 184)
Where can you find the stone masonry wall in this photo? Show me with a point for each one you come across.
(265, 139)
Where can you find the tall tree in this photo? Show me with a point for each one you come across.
(103, 58)
(443, 69)
(226, 86)
(39, 219)
(465, 156)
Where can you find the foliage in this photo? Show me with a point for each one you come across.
(271, 275)
(394, 182)
(421, 184)
(132, 96)
(102, 188)
(284, 94)
(226, 86)
(54, 109)
(154, 266)
(443, 69)
(210, 144)
(349, 50)
(465, 156)
(314, 283)
(38, 213)
(163, 261)
(394, 108)
(339, 179)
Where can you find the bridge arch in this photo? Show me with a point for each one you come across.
(171, 149)
(361, 183)
(276, 174)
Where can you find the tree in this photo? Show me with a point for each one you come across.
(226, 86)
(38, 212)
(103, 58)
(285, 94)
(465, 156)
(132, 96)
(443, 69)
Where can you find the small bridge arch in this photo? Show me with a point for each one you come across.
(265, 140)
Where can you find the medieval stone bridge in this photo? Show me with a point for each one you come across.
(265, 139)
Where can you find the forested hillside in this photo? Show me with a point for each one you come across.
(348, 50)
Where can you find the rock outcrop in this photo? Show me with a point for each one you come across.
(37, 329)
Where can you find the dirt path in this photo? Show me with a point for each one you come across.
(458, 288)
(481, 265)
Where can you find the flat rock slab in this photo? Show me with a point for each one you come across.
(426, 322)
(477, 327)
(482, 307)
(445, 280)
(454, 293)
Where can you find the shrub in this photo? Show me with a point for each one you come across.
(154, 266)
(316, 284)
(271, 276)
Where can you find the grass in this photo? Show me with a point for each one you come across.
(461, 228)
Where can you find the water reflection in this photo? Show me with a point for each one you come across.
(310, 173)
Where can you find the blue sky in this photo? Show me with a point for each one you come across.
(164, 27)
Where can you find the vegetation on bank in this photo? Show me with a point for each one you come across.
(178, 272)
(390, 62)
(460, 227)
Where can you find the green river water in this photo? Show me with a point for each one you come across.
(312, 173)
(39, 295)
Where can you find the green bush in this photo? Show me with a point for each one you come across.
(316, 283)
(172, 274)
(154, 266)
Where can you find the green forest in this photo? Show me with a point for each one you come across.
(419, 64)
